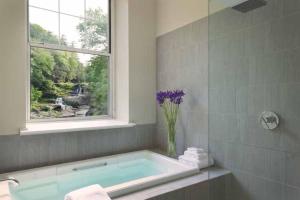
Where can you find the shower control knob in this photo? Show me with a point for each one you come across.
(269, 120)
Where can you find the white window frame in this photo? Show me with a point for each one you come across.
(111, 67)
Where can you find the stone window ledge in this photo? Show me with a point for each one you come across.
(36, 128)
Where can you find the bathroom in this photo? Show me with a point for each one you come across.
(85, 89)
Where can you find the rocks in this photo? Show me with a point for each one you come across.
(67, 107)
(57, 108)
(77, 101)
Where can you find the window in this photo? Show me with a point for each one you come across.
(69, 43)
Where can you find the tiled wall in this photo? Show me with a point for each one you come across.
(22, 152)
(254, 65)
(182, 64)
(213, 190)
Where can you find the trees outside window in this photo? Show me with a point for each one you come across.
(69, 74)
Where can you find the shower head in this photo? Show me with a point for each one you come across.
(249, 5)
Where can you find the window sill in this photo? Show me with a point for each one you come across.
(71, 126)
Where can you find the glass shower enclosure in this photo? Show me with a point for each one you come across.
(254, 96)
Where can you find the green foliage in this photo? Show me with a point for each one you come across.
(93, 31)
(51, 69)
(42, 65)
(66, 86)
(35, 94)
(38, 34)
(57, 73)
(67, 67)
(35, 107)
(97, 77)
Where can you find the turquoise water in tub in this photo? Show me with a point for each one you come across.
(56, 187)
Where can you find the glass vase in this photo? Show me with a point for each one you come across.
(171, 140)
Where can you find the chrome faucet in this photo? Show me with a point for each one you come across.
(11, 179)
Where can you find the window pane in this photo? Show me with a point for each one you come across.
(69, 31)
(84, 33)
(47, 4)
(94, 34)
(72, 7)
(43, 26)
(97, 4)
(66, 84)
(96, 27)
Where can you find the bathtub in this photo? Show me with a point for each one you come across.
(118, 175)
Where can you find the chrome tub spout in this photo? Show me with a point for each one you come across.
(11, 179)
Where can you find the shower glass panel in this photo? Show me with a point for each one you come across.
(254, 96)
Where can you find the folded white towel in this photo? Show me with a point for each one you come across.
(4, 189)
(195, 155)
(193, 159)
(186, 162)
(93, 192)
(196, 163)
(5, 198)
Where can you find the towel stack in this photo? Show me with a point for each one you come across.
(196, 157)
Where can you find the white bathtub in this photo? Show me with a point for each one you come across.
(118, 174)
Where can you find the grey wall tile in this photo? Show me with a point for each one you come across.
(182, 63)
(254, 160)
(292, 71)
(10, 151)
(146, 136)
(284, 33)
(63, 147)
(239, 187)
(217, 149)
(273, 10)
(290, 136)
(274, 190)
(23, 152)
(242, 96)
(253, 134)
(34, 150)
(261, 50)
(256, 188)
(291, 193)
(292, 170)
(234, 156)
(256, 97)
(228, 100)
(290, 97)
(290, 7)
(276, 164)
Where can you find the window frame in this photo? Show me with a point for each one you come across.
(109, 54)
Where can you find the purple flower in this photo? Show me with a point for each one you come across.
(174, 96)
(160, 97)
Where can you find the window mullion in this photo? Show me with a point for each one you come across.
(109, 25)
(84, 9)
(59, 36)
(66, 48)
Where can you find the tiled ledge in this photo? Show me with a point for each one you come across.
(203, 176)
(72, 126)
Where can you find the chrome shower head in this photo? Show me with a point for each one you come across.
(249, 5)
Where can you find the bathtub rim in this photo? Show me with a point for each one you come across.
(119, 189)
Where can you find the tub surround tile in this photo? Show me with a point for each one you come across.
(190, 188)
(29, 146)
(25, 152)
(10, 152)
